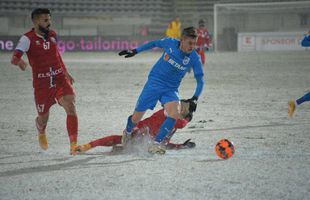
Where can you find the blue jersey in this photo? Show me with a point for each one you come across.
(172, 66)
(306, 41)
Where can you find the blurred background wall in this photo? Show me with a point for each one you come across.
(142, 19)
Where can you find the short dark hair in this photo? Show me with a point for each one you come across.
(190, 32)
(201, 22)
(39, 11)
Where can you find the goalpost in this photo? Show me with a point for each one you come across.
(279, 17)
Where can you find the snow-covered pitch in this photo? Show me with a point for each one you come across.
(244, 100)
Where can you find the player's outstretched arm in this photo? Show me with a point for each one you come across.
(188, 144)
(150, 45)
(17, 60)
(199, 88)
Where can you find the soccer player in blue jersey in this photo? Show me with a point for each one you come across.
(164, 80)
(292, 104)
(306, 41)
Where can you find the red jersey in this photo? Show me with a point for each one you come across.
(203, 38)
(156, 120)
(43, 56)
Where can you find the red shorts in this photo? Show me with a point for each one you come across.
(45, 97)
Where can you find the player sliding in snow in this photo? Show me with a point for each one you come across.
(150, 126)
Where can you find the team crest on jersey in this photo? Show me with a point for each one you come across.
(37, 42)
(186, 60)
(53, 40)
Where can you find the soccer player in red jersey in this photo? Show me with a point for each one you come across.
(51, 81)
(151, 126)
(203, 40)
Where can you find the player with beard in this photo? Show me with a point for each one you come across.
(51, 81)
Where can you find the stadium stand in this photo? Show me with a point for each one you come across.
(121, 18)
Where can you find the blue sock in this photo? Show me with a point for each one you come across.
(304, 98)
(165, 129)
(130, 125)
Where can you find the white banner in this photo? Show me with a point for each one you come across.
(270, 41)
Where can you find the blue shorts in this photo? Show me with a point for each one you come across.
(151, 94)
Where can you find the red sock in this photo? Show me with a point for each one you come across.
(107, 141)
(41, 129)
(72, 127)
(202, 55)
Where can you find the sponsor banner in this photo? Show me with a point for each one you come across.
(270, 41)
(78, 43)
